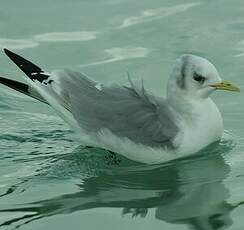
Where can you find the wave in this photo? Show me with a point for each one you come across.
(119, 54)
(17, 43)
(66, 36)
(35, 40)
(154, 14)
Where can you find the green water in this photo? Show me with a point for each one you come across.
(48, 181)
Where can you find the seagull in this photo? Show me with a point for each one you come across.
(127, 119)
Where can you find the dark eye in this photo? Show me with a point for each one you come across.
(198, 78)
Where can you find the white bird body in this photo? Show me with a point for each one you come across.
(128, 120)
(200, 124)
(203, 126)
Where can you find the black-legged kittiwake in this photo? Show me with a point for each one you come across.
(128, 119)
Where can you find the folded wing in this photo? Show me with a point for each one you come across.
(127, 112)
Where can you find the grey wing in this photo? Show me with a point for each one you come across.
(125, 111)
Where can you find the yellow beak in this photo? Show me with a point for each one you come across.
(225, 85)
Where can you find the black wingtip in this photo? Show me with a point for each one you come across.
(20, 87)
(16, 85)
(7, 52)
(26, 66)
(33, 71)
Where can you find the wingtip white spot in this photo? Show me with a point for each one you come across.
(98, 86)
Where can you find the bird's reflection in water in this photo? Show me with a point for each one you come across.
(189, 191)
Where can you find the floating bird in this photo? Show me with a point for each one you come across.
(129, 120)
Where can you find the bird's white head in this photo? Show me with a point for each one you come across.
(195, 77)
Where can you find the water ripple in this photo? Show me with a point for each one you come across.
(66, 36)
(158, 13)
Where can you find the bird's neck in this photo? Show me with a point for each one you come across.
(199, 121)
(186, 105)
(192, 110)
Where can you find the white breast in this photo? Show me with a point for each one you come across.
(202, 126)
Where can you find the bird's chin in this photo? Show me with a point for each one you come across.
(206, 92)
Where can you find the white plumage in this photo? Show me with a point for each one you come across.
(130, 120)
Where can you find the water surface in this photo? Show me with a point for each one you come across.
(49, 181)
